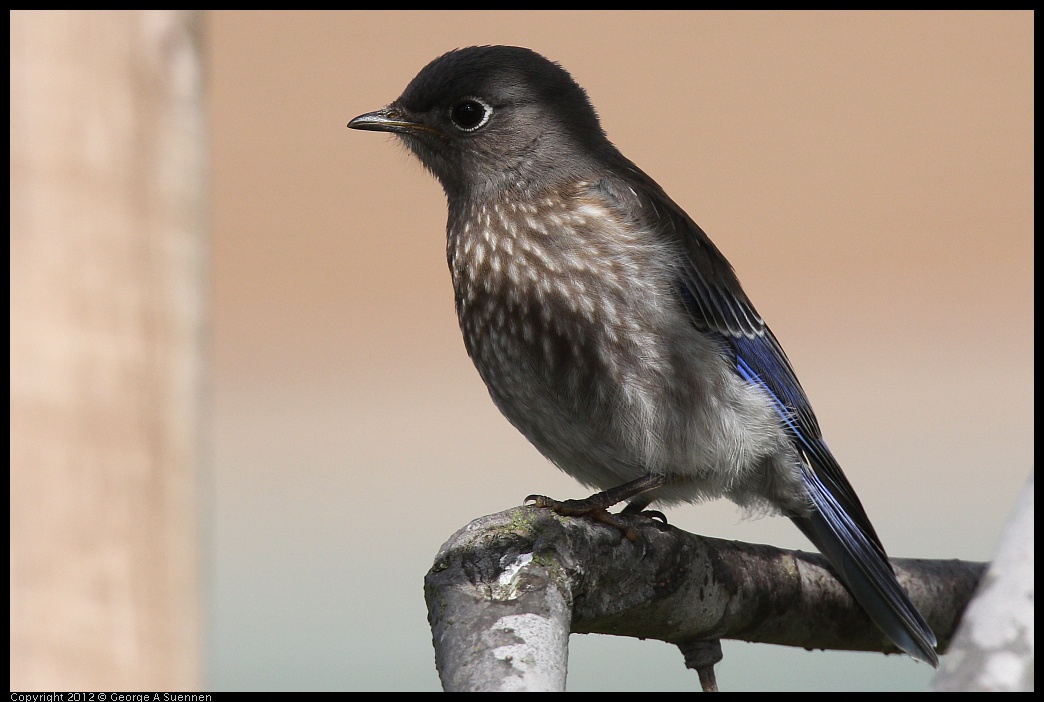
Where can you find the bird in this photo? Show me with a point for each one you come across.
(610, 330)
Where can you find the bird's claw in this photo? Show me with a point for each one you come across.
(584, 508)
(655, 515)
(564, 508)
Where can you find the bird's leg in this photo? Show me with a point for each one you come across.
(596, 505)
(601, 501)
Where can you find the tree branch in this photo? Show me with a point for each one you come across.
(506, 590)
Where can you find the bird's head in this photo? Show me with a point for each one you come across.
(492, 117)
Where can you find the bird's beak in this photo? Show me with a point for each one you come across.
(388, 119)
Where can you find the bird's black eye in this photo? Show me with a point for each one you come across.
(470, 114)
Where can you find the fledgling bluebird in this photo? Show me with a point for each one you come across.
(610, 330)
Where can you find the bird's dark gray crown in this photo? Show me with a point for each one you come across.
(541, 128)
(504, 76)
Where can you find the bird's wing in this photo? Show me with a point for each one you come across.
(838, 526)
(717, 305)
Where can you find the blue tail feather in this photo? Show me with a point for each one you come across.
(860, 563)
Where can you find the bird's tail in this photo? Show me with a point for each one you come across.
(861, 564)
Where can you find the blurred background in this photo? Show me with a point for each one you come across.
(869, 176)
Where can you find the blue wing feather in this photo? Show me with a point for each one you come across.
(838, 525)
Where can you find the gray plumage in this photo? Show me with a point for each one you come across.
(609, 329)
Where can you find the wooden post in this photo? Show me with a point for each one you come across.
(107, 289)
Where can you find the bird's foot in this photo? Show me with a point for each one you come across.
(593, 508)
(596, 506)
